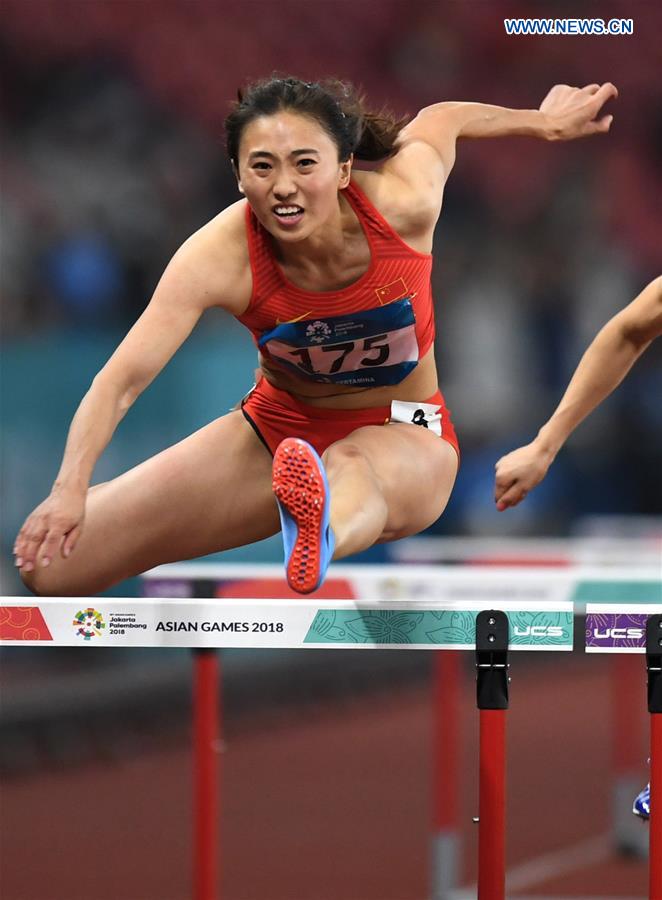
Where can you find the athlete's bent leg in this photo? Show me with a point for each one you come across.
(210, 492)
(387, 482)
(359, 511)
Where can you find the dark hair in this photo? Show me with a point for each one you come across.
(336, 105)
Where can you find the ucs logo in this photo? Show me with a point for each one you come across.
(549, 631)
(618, 634)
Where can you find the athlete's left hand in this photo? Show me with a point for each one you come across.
(572, 112)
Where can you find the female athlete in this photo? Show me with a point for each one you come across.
(330, 271)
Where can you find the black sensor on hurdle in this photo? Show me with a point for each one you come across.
(654, 662)
(492, 636)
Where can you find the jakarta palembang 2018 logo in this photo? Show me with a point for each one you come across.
(88, 623)
(318, 331)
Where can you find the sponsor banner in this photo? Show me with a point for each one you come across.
(622, 631)
(245, 586)
(623, 592)
(169, 587)
(453, 587)
(397, 583)
(173, 622)
(436, 628)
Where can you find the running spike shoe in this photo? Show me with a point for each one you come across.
(642, 804)
(302, 492)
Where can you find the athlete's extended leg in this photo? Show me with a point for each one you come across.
(209, 492)
(302, 491)
(387, 482)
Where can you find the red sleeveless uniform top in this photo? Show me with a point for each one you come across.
(369, 334)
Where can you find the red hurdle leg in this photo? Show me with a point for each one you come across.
(206, 736)
(492, 639)
(492, 806)
(445, 872)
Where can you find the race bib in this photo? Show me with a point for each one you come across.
(367, 349)
(428, 415)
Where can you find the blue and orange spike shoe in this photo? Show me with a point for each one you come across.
(642, 804)
(302, 492)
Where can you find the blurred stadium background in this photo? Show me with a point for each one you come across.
(111, 116)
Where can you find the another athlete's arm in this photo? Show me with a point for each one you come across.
(185, 290)
(603, 366)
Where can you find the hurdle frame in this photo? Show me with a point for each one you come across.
(556, 584)
(492, 700)
(206, 772)
(654, 690)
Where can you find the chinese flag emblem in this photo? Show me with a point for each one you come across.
(390, 292)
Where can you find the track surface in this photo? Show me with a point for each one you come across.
(332, 803)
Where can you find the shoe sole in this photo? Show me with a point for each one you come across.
(301, 489)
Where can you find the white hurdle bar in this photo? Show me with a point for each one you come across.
(265, 623)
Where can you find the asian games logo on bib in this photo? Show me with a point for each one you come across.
(318, 331)
(88, 623)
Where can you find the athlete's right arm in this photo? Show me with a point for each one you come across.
(194, 280)
(603, 366)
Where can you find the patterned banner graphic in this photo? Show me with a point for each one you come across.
(437, 628)
(617, 631)
(23, 623)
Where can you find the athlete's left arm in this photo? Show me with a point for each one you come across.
(566, 113)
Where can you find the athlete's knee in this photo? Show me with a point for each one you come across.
(49, 581)
(38, 582)
(345, 454)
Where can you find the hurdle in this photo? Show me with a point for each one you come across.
(642, 557)
(654, 667)
(385, 582)
(269, 623)
(432, 608)
(488, 571)
(634, 629)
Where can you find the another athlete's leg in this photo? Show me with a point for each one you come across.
(210, 492)
(387, 482)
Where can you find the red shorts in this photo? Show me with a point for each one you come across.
(275, 415)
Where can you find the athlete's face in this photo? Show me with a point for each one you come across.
(290, 174)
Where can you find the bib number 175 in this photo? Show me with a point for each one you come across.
(317, 360)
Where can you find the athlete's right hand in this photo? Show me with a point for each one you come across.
(54, 526)
(519, 472)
